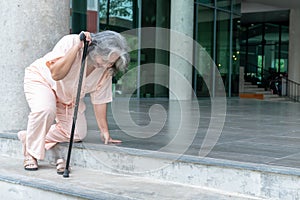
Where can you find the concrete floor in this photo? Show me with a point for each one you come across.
(254, 131)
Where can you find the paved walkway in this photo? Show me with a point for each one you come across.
(254, 131)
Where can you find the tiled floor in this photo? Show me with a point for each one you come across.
(254, 131)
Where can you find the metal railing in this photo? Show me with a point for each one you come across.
(293, 90)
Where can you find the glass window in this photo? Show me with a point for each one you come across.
(265, 51)
(252, 59)
(236, 6)
(271, 47)
(235, 56)
(119, 16)
(284, 49)
(155, 13)
(205, 37)
(223, 46)
(206, 2)
(125, 90)
(116, 14)
(224, 4)
(255, 35)
(79, 16)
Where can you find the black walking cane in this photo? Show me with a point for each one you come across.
(82, 38)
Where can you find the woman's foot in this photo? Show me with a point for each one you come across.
(30, 163)
(60, 166)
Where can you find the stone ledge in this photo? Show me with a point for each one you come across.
(169, 156)
(224, 176)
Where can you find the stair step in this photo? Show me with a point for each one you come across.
(251, 91)
(255, 89)
(247, 83)
(250, 86)
(278, 98)
(264, 92)
(271, 96)
(112, 172)
(16, 183)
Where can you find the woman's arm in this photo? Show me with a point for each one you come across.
(100, 113)
(60, 68)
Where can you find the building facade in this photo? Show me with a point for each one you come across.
(212, 24)
(233, 33)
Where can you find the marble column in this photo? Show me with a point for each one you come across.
(29, 29)
(294, 46)
(182, 20)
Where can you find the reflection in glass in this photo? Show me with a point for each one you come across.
(116, 14)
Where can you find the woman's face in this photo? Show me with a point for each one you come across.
(99, 62)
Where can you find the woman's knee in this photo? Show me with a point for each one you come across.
(80, 132)
(81, 128)
(47, 112)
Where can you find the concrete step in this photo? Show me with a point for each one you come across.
(84, 183)
(253, 90)
(87, 183)
(277, 98)
(112, 172)
(264, 92)
(271, 96)
(250, 86)
(247, 83)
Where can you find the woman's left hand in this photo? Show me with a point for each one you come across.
(105, 137)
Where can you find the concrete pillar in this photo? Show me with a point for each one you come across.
(294, 46)
(182, 20)
(29, 29)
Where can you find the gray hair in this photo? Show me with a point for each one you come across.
(107, 42)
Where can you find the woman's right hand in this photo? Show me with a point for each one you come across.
(87, 38)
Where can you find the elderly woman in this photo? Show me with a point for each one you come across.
(50, 87)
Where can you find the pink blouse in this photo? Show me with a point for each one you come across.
(98, 83)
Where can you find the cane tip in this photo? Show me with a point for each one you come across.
(66, 173)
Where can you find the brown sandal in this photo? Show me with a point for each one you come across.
(30, 163)
(60, 166)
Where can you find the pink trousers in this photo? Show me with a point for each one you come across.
(42, 133)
